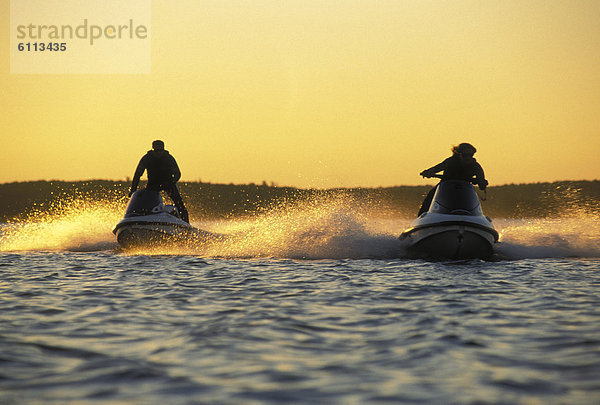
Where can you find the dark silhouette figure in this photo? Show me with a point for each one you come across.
(460, 166)
(163, 174)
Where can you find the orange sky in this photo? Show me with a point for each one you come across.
(325, 94)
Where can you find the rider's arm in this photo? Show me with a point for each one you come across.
(435, 169)
(480, 177)
(138, 173)
(176, 173)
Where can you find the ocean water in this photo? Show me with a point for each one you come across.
(315, 304)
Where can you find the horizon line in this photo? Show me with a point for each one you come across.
(273, 184)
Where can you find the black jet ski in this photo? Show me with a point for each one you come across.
(454, 227)
(148, 222)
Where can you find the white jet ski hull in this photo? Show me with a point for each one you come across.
(451, 239)
(151, 230)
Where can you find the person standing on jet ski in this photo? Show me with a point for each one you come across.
(163, 174)
(460, 166)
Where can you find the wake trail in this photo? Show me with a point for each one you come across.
(567, 236)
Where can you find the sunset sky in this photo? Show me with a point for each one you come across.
(324, 93)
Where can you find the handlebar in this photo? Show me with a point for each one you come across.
(472, 181)
(439, 176)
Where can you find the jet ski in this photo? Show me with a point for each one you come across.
(148, 222)
(453, 228)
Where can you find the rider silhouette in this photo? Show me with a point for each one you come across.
(163, 174)
(460, 166)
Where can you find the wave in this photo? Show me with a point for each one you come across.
(325, 228)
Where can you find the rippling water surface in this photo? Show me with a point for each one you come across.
(327, 311)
